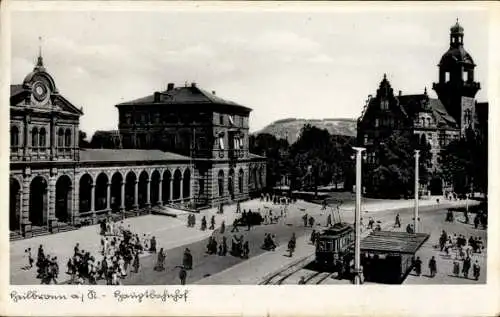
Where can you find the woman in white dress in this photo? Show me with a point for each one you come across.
(121, 265)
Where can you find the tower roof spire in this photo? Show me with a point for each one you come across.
(39, 62)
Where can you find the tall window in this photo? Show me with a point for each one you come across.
(67, 138)
(34, 137)
(240, 181)
(384, 105)
(221, 143)
(221, 119)
(376, 123)
(60, 138)
(42, 137)
(220, 182)
(14, 136)
(446, 77)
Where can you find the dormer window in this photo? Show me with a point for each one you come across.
(384, 105)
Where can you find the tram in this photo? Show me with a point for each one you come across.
(332, 247)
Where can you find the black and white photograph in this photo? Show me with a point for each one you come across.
(262, 147)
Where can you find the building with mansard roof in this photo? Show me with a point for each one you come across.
(436, 121)
(183, 147)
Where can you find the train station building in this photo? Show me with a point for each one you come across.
(183, 147)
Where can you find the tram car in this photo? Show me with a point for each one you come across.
(332, 247)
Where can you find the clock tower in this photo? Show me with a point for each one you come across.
(456, 88)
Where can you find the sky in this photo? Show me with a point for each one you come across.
(281, 63)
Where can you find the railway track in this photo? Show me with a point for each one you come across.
(279, 277)
(318, 278)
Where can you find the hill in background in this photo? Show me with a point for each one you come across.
(290, 128)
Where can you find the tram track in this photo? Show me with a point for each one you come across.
(319, 278)
(279, 277)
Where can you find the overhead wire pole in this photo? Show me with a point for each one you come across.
(415, 214)
(357, 217)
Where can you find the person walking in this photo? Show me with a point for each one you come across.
(152, 248)
(456, 268)
(203, 223)
(397, 222)
(329, 221)
(135, 263)
(418, 266)
(183, 275)
(432, 266)
(212, 223)
(466, 267)
(235, 226)
(222, 226)
(292, 244)
(476, 270)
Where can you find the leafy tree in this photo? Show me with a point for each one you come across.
(276, 151)
(464, 163)
(392, 174)
(82, 140)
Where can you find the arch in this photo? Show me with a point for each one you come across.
(116, 191)
(423, 139)
(67, 138)
(255, 178)
(261, 181)
(143, 189)
(64, 194)
(85, 191)
(177, 185)
(42, 138)
(167, 176)
(186, 184)
(34, 137)
(220, 182)
(60, 138)
(101, 191)
(241, 177)
(155, 187)
(38, 201)
(14, 136)
(15, 205)
(130, 183)
(230, 183)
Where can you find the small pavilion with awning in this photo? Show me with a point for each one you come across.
(387, 256)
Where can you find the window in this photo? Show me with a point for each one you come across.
(376, 123)
(447, 77)
(14, 136)
(67, 138)
(34, 137)
(240, 180)
(428, 121)
(384, 105)
(221, 143)
(60, 138)
(231, 119)
(422, 121)
(128, 118)
(42, 137)
(220, 182)
(366, 139)
(221, 119)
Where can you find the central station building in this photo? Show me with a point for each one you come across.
(183, 147)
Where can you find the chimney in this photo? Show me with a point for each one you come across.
(170, 86)
(213, 92)
(400, 93)
(157, 97)
(193, 85)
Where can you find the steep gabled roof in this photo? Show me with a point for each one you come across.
(412, 104)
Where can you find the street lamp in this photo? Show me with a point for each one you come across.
(357, 217)
(415, 219)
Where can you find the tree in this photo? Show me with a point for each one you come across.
(464, 163)
(392, 175)
(276, 151)
(82, 140)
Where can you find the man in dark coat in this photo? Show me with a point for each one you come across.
(466, 267)
(418, 266)
(432, 266)
(183, 275)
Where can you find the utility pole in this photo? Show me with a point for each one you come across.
(415, 216)
(357, 217)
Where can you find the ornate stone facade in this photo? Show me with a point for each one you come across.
(55, 184)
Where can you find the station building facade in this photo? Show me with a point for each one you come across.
(436, 121)
(189, 151)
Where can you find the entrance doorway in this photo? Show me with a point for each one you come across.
(64, 191)
(15, 205)
(38, 201)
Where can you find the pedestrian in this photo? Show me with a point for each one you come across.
(311, 222)
(235, 226)
(292, 244)
(432, 267)
(212, 223)
(183, 275)
(224, 246)
(418, 266)
(302, 280)
(329, 220)
(397, 222)
(456, 268)
(476, 269)
(313, 237)
(466, 267)
(222, 226)
(29, 258)
(136, 264)
(246, 249)
(203, 223)
(238, 207)
(152, 248)
(304, 218)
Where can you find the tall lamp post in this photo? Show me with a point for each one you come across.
(415, 216)
(357, 217)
